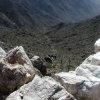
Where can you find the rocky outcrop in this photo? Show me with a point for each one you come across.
(84, 82)
(15, 70)
(2, 53)
(97, 45)
(38, 64)
(45, 88)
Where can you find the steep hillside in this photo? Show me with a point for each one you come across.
(74, 42)
(45, 13)
(33, 42)
(25, 22)
(70, 43)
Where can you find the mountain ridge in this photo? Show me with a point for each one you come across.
(46, 13)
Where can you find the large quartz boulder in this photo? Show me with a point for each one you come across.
(85, 87)
(15, 70)
(45, 88)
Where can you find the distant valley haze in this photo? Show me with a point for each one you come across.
(46, 13)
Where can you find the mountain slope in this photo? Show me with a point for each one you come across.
(70, 43)
(43, 13)
(75, 41)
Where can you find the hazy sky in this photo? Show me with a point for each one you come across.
(96, 1)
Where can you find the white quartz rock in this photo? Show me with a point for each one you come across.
(79, 86)
(2, 53)
(88, 60)
(96, 59)
(45, 88)
(97, 45)
(70, 81)
(93, 59)
(88, 70)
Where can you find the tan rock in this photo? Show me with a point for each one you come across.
(15, 70)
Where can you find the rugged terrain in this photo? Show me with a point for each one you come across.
(20, 80)
(49, 27)
(70, 43)
(57, 36)
(75, 41)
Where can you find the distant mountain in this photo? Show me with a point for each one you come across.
(44, 13)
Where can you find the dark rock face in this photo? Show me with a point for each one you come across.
(15, 70)
(38, 63)
(48, 60)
